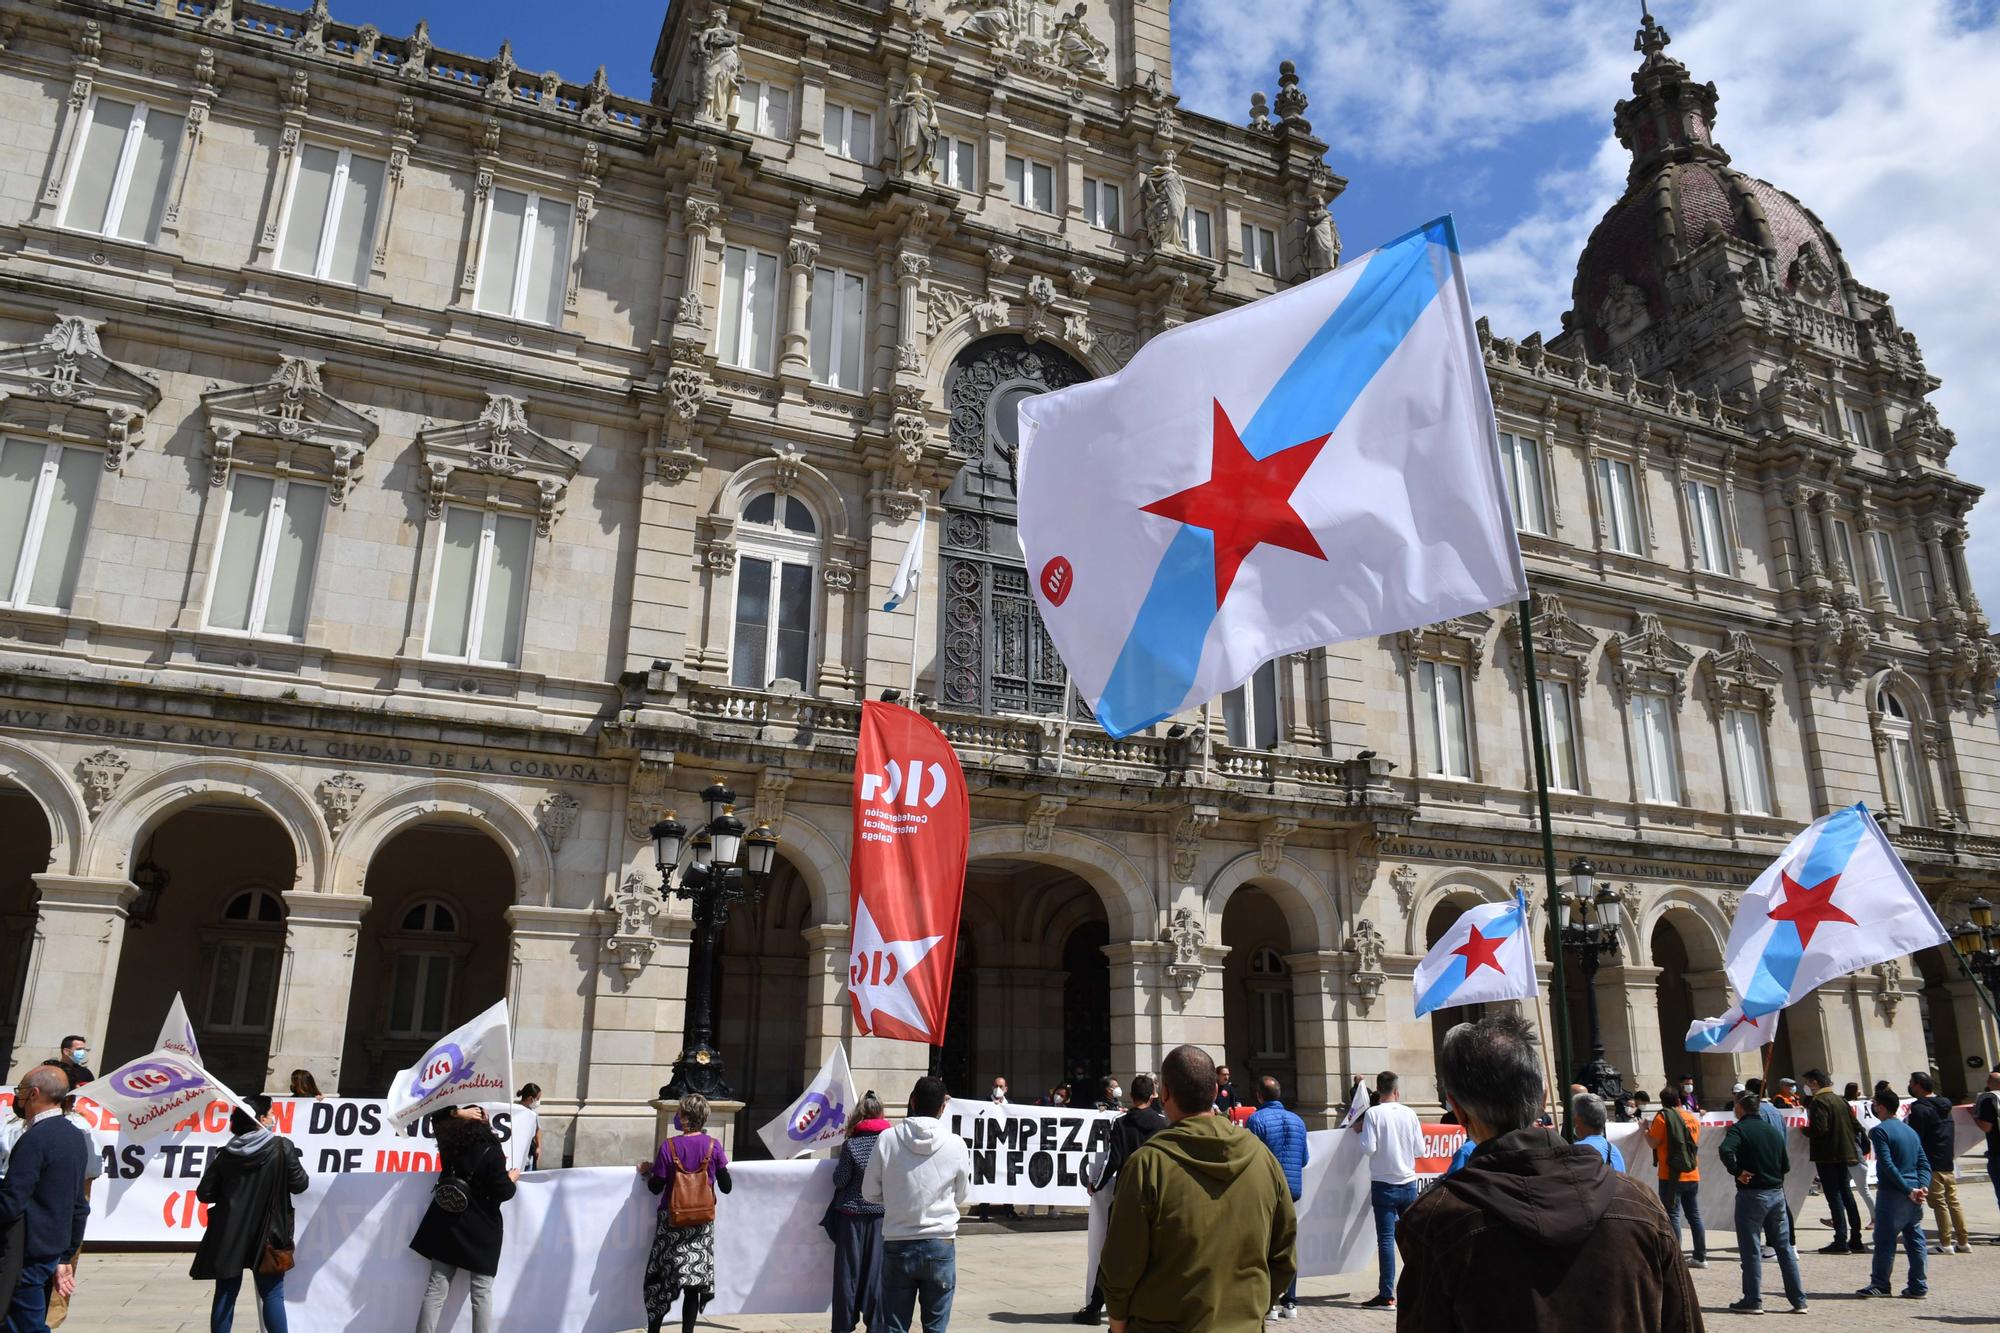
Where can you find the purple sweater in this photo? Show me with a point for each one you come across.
(684, 1153)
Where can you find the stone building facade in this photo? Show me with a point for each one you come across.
(420, 472)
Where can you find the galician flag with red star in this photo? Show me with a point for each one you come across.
(1316, 466)
(1488, 954)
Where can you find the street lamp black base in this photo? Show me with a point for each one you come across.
(699, 1070)
(1602, 1078)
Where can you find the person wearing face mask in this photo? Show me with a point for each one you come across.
(1690, 1099)
(43, 1197)
(528, 1119)
(999, 1091)
(1108, 1095)
(74, 1061)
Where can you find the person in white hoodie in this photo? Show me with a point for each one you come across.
(920, 1174)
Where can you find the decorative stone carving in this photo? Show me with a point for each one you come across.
(1562, 647)
(45, 382)
(1628, 898)
(1888, 987)
(1727, 901)
(1841, 640)
(636, 905)
(338, 797)
(914, 115)
(1031, 35)
(645, 798)
(1322, 238)
(1188, 936)
(312, 37)
(556, 817)
(1271, 835)
(1260, 113)
(1461, 639)
(1367, 945)
(1043, 811)
(417, 53)
(718, 69)
(291, 408)
(1163, 205)
(100, 775)
(1648, 661)
(1810, 276)
(499, 443)
(1404, 880)
(500, 72)
(1192, 826)
(1622, 312)
(1741, 677)
(1292, 102)
(772, 786)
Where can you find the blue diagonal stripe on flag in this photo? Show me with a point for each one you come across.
(1440, 992)
(1771, 988)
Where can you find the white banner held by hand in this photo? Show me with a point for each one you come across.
(156, 1092)
(177, 1034)
(818, 1119)
(471, 1065)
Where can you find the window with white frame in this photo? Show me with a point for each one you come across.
(746, 325)
(777, 551)
(1559, 733)
(1892, 569)
(834, 313)
(124, 166)
(1652, 721)
(1621, 505)
(958, 160)
(848, 132)
(1101, 204)
(479, 598)
(1843, 547)
(1198, 231)
(46, 493)
(1260, 248)
(1743, 746)
(1250, 711)
(1522, 457)
(327, 225)
(420, 984)
(1711, 542)
(1442, 724)
(1857, 426)
(1270, 986)
(1031, 184)
(764, 108)
(524, 258)
(264, 563)
(1902, 779)
(243, 965)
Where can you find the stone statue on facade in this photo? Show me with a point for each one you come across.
(1073, 44)
(1622, 310)
(1322, 238)
(915, 116)
(1163, 204)
(721, 68)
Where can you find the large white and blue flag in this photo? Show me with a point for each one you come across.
(1488, 954)
(1316, 466)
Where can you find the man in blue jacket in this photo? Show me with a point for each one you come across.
(1902, 1180)
(43, 1193)
(1285, 1135)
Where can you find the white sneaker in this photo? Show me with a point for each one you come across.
(1964, 1249)
(1288, 1312)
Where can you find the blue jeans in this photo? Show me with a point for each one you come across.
(1896, 1218)
(1756, 1211)
(913, 1269)
(1993, 1173)
(1389, 1202)
(1838, 1187)
(1679, 1195)
(29, 1312)
(270, 1302)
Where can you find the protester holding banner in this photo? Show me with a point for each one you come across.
(528, 1099)
(248, 1187)
(462, 1228)
(686, 1173)
(855, 1224)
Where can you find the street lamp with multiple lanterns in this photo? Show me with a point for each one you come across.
(725, 865)
(1978, 945)
(1587, 922)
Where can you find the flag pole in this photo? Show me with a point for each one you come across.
(1770, 1054)
(1062, 728)
(916, 629)
(1559, 1000)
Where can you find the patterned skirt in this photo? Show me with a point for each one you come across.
(681, 1257)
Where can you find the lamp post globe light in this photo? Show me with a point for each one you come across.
(1978, 943)
(725, 864)
(1587, 921)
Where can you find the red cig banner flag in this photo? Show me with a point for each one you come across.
(912, 824)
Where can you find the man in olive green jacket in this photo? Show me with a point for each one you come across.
(1203, 1234)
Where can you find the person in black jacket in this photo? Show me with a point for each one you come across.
(471, 1161)
(1930, 1116)
(43, 1193)
(855, 1225)
(248, 1188)
(1127, 1132)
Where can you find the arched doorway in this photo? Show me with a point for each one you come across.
(433, 950)
(952, 1060)
(24, 853)
(1691, 985)
(761, 1002)
(1442, 918)
(1259, 1035)
(1677, 1008)
(994, 654)
(1086, 1006)
(210, 925)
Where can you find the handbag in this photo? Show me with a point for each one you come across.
(273, 1259)
(451, 1194)
(692, 1201)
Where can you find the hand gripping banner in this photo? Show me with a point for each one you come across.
(912, 824)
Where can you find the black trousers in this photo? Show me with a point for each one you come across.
(857, 1273)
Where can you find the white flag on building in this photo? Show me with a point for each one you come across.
(912, 567)
(177, 1034)
(156, 1092)
(818, 1119)
(473, 1064)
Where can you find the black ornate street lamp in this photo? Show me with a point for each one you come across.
(725, 866)
(1587, 925)
(1978, 945)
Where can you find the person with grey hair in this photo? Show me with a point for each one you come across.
(43, 1195)
(1534, 1233)
(1586, 1112)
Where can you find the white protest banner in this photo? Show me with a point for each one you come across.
(575, 1251)
(465, 1067)
(156, 1092)
(818, 1118)
(177, 1034)
(1029, 1154)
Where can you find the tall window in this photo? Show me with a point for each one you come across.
(479, 604)
(1250, 711)
(1522, 457)
(1857, 426)
(1843, 547)
(1100, 204)
(420, 991)
(1198, 231)
(848, 133)
(1031, 184)
(243, 971)
(834, 312)
(1902, 780)
(1270, 986)
(328, 222)
(524, 262)
(746, 325)
(1653, 748)
(1559, 730)
(1892, 569)
(772, 638)
(1743, 746)
(1711, 545)
(1441, 706)
(1621, 506)
(1260, 248)
(45, 496)
(118, 185)
(764, 108)
(264, 567)
(958, 159)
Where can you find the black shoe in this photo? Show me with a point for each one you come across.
(1912, 1294)
(1379, 1303)
(1746, 1307)
(1087, 1315)
(1838, 1247)
(1869, 1291)
(1859, 1247)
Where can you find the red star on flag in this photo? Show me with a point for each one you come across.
(1246, 502)
(1808, 908)
(1743, 1019)
(1480, 951)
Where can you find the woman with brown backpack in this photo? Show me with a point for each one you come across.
(686, 1173)
(462, 1227)
(248, 1187)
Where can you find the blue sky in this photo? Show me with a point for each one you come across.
(1880, 115)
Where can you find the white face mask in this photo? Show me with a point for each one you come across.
(999, 1093)
(1115, 1094)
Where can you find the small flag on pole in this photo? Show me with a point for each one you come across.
(818, 1117)
(473, 1064)
(177, 1034)
(1486, 955)
(1734, 1031)
(156, 1092)
(912, 567)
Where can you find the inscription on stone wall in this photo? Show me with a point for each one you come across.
(1509, 856)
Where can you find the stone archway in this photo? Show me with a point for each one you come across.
(761, 1000)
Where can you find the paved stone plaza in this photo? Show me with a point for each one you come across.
(1033, 1277)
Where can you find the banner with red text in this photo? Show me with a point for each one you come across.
(152, 1094)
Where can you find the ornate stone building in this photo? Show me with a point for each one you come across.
(420, 472)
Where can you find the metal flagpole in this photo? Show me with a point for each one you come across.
(916, 628)
(1559, 999)
(1062, 728)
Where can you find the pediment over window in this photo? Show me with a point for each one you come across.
(1460, 639)
(500, 446)
(1741, 677)
(1648, 661)
(1562, 647)
(291, 408)
(65, 386)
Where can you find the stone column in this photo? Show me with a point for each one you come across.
(309, 1029)
(826, 1002)
(1830, 541)
(1628, 1001)
(1943, 595)
(911, 269)
(698, 218)
(1316, 1004)
(1955, 552)
(1146, 1006)
(1808, 552)
(834, 672)
(801, 253)
(72, 964)
(1871, 573)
